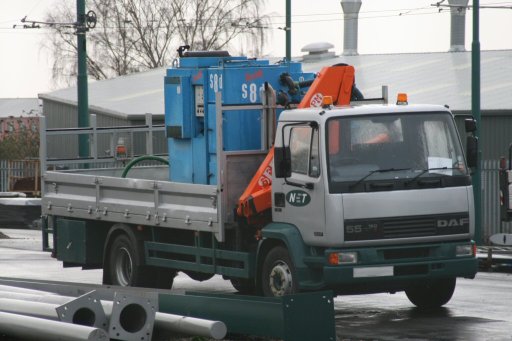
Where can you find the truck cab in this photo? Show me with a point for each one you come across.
(379, 195)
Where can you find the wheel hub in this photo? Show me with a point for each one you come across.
(281, 280)
(124, 267)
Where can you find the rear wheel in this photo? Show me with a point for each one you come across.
(432, 294)
(278, 276)
(126, 267)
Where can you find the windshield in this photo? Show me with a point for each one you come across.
(409, 147)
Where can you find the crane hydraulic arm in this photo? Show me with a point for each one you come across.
(336, 81)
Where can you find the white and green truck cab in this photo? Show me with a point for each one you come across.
(372, 198)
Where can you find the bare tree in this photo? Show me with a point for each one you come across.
(214, 24)
(135, 35)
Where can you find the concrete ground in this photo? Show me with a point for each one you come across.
(479, 310)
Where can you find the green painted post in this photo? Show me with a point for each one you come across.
(288, 30)
(83, 101)
(475, 110)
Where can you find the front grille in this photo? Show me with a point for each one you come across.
(409, 228)
(406, 227)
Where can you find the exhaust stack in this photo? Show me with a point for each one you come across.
(351, 14)
(458, 25)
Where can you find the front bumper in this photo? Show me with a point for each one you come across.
(383, 269)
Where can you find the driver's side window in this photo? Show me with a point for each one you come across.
(304, 151)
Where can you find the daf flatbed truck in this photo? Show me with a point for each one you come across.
(280, 183)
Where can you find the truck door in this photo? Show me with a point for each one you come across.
(299, 199)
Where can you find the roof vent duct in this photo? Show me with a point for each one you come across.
(317, 51)
(458, 25)
(350, 17)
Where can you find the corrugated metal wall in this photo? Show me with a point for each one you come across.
(495, 137)
(61, 115)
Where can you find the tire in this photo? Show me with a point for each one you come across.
(244, 286)
(278, 277)
(433, 294)
(124, 262)
(126, 267)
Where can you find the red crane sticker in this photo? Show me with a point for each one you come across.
(316, 100)
(266, 178)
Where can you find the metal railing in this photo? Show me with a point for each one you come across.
(95, 133)
(20, 176)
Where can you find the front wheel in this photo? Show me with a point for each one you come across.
(278, 276)
(432, 294)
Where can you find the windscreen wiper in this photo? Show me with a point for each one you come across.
(376, 171)
(428, 170)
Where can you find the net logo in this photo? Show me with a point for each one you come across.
(298, 198)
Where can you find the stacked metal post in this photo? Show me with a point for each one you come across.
(27, 313)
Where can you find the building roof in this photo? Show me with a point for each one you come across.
(433, 78)
(129, 97)
(17, 107)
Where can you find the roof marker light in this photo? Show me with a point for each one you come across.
(326, 101)
(401, 99)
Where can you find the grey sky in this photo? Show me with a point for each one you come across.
(392, 26)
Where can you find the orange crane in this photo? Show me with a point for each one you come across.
(335, 81)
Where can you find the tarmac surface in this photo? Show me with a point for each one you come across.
(481, 309)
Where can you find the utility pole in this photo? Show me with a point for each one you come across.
(475, 110)
(84, 22)
(82, 95)
(288, 29)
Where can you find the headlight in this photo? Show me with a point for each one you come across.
(337, 258)
(465, 250)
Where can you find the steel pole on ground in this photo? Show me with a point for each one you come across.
(164, 323)
(84, 310)
(33, 328)
(475, 110)
(34, 309)
(171, 323)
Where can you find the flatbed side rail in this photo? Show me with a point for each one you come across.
(132, 201)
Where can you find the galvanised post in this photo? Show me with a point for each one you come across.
(475, 110)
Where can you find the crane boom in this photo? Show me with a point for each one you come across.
(335, 81)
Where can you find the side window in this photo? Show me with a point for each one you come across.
(438, 143)
(314, 165)
(304, 151)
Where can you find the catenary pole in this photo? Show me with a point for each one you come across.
(288, 29)
(475, 110)
(82, 95)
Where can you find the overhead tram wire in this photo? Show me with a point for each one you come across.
(277, 25)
